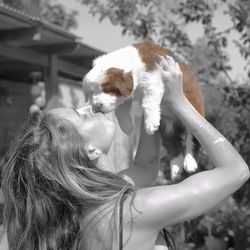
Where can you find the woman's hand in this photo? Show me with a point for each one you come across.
(172, 78)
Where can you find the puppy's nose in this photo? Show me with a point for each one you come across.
(97, 107)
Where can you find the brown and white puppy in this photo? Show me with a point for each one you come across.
(131, 73)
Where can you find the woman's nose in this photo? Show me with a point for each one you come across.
(85, 109)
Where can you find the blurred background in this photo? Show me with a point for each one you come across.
(47, 46)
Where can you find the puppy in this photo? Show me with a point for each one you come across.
(130, 73)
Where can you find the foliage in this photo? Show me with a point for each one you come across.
(238, 99)
(58, 15)
(53, 13)
(222, 220)
(235, 124)
(164, 22)
(230, 219)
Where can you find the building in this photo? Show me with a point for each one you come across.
(32, 50)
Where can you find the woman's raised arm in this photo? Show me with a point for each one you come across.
(166, 205)
(145, 167)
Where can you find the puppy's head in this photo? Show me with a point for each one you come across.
(107, 88)
(107, 85)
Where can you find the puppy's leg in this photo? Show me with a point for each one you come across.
(176, 166)
(172, 132)
(189, 164)
(151, 103)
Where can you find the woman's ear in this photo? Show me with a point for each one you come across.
(92, 152)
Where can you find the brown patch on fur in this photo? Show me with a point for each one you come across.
(117, 82)
(150, 52)
(192, 89)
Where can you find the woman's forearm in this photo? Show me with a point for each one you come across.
(148, 151)
(147, 157)
(144, 170)
(219, 149)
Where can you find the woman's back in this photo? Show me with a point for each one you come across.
(135, 235)
(128, 233)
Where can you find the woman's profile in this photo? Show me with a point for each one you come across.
(57, 194)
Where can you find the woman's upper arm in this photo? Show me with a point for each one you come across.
(139, 176)
(145, 167)
(166, 205)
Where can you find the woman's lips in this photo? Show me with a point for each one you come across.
(87, 108)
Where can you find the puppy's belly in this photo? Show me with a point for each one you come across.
(166, 112)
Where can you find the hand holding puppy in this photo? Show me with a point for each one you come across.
(172, 78)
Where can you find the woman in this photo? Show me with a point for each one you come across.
(57, 194)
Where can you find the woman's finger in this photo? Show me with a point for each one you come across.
(172, 64)
(168, 63)
(159, 64)
(177, 66)
(160, 61)
(165, 64)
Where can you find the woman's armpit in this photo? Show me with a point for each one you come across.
(127, 179)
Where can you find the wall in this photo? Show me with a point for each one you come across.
(15, 100)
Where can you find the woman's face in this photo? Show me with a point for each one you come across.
(97, 129)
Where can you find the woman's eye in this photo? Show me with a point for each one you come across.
(84, 116)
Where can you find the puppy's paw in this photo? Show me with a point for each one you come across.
(175, 171)
(176, 167)
(151, 126)
(190, 164)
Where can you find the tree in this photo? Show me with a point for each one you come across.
(53, 13)
(58, 15)
(164, 22)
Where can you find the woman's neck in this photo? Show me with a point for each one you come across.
(103, 162)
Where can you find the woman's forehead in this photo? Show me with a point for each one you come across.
(62, 112)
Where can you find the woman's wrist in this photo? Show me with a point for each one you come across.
(178, 104)
(185, 111)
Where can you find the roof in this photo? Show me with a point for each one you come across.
(32, 40)
(28, 19)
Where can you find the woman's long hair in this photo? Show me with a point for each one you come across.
(54, 196)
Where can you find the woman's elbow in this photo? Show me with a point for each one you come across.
(245, 173)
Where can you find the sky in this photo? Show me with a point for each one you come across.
(107, 37)
(104, 35)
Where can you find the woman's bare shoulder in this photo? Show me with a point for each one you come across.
(148, 206)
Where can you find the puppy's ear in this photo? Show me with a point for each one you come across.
(124, 118)
(117, 82)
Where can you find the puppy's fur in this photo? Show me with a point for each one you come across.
(131, 73)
